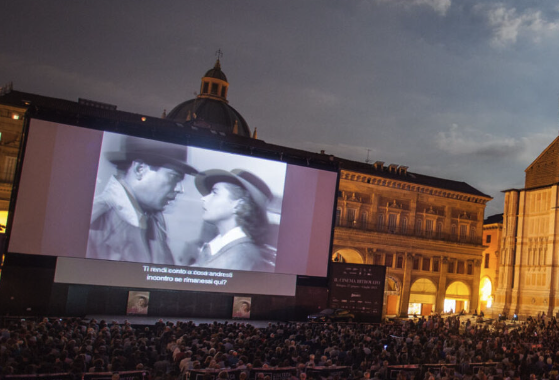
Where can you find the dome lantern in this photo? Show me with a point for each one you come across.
(214, 84)
(210, 109)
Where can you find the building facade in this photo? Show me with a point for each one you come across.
(492, 235)
(528, 279)
(427, 232)
(11, 126)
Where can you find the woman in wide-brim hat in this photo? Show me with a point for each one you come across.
(236, 203)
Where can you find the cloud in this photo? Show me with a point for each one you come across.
(462, 141)
(54, 81)
(534, 145)
(508, 24)
(439, 6)
(466, 141)
(320, 98)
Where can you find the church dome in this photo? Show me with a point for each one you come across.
(211, 109)
(212, 114)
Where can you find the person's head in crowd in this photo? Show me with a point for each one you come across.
(151, 170)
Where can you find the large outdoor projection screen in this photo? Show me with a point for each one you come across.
(66, 167)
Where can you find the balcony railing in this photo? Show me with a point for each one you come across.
(410, 231)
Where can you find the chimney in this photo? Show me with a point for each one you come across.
(392, 168)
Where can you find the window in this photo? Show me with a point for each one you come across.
(404, 225)
(338, 216)
(9, 168)
(429, 228)
(364, 218)
(388, 260)
(470, 268)
(350, 216)
(206, 88)
(426, 264)
(463, 232)
(472, 233)
(392, 220)
(453, 230)
(214, 88)
(487, 260)
(439, 230)
(380, 222)
(416, 263)
(435, 265)
(488, 239)
(223, 89)
(460, 267)
(418, 226)
(400, 262)
(451, 267)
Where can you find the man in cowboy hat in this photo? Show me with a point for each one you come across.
(127, 223)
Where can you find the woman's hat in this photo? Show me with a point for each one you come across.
(152, 152)
(258, 190)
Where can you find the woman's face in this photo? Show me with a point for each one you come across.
(218, 204)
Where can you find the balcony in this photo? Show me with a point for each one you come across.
(433, 235)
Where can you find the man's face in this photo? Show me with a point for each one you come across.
(218, 204)
(157, 187)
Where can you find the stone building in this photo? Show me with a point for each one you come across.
(528, 279)
(427, 231)
(492, 235)
(11, 125)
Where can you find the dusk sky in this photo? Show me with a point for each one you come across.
(463, 90)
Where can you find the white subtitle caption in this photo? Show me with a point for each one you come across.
(164, 274)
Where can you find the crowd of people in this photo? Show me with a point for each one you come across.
(517, 351)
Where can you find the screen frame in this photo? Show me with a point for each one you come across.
(202, 139)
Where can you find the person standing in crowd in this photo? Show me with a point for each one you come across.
(127, 222)
(235, 203)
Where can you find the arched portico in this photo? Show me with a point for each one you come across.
(457, 297)
(423, 294)
(485, 294)
(347, 255)
(392, 289)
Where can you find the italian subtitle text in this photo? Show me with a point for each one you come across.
(186, 276)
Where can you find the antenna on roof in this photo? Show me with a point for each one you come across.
(368, 161)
